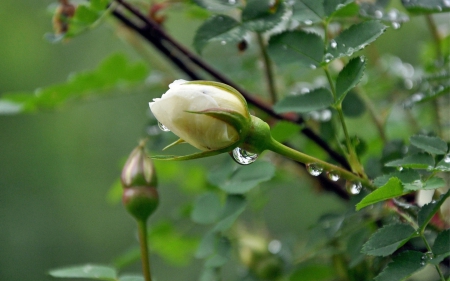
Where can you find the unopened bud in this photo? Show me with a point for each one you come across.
(139, 169)
(140, 202)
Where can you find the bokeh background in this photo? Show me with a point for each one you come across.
(56, 167)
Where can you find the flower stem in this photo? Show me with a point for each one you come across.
(427, 245)
(142, 229)
(267, 69)
(293, 154)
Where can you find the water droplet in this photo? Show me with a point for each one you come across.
(353, 187)
(333, 176)
(325, 115)
(314, 169)
(312, 66)
(308, 22)
(162, 127)
(231, 2)
(422, 263)
(223, 42)
(333, 44)
(399, 168)
(413, 100)
(350, 51)
(446, 3)
(408, 83)
(447, 158)
(304, 90)
(328, 57)
(396, 25)
(378, 14)
(274, 246)
(243, 157)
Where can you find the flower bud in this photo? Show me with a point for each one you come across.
(138, 169)
(140, 202)
(208, 115)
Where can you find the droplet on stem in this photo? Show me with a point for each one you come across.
(314, 169)
(353, 187)
(243, 157)
(333, 176)
(162, 127)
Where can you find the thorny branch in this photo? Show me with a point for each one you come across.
(189, 63)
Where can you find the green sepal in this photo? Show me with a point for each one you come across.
(197, 155)
(231, 117)
(179, 141)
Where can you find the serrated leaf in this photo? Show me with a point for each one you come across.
(331, 6)
(316, 99)
(441, 246)
(428, 210)
(405, 176)
(218, 28)
(207, 208)
(433, 183)
(96, 272)
(355, 38)
(313, 272)
(308, 11)
(393, 188)
(116, 71)
(262, 15)
(296, 47)
(433, 145)
(415, 161)
(349, 10)
(402, 266)
(240, 179)
(444, 164)
(234, 206)
(426, 6)
(349, 77)
(388, 239)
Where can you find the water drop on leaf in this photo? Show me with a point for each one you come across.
(333, 44)
(314, 169)
(447, 158)
(243, 157)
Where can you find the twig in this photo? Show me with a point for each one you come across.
(267, 69)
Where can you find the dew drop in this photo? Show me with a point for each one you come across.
(333, 44)
(447, 158)
(231, 2)
(396, 25)
(243, 157)
(223, 42)
(353, 187)
(314, 169)
(408, 83)
(446, 3)
(328, 57)
(274, 246)
(333, 176)
(162, 127)
(378, 14)
(399, 168)
(308, 22)
(312, 66)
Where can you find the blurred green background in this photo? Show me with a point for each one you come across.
(57, 167)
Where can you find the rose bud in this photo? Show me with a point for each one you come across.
(138, 169)
(140, 202)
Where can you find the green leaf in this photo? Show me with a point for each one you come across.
(388, 239)
(331, 6)
(206, 208)
(415, 161)
(218, 5)
(85, 17)
(313, 272)
(130, 256)
(222, 254)
(444, 164)
(131, 278)
(349, 10)
(171, 244)
(218, 28)
(243, 178)
(393, 188)
(441, 246)
(262, 15)
(428, 210)
(353, 106)
(349, 77)
(284, 130)
(234, 207)
(433, 145)
(207, 245)
(316, 99)
(308, 11)
(402, 266)
(296, 47)
(426, 6)
(90, 271)
(433, 183)
(355, 38)
(115, 72)
(405, 176)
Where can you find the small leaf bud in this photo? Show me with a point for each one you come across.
(139, 169)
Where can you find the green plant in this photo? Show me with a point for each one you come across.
(397, 155)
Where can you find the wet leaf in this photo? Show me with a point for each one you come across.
(415, 161)
(427, 211)
(316, 99)
(433, 145)
(405, 176)
(432, 183)
(262, 15)
(402, 266)
(426, 6)
(388, 239)
(349, 77)
(296, 47)
(331, 6)
(393, 188)
(96, 272)
(308, 11)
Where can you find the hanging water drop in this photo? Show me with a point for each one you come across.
(399, 168)
(314, 169)
(396, 25)
(328, 57)
(243, 157)
(447, 158)
(333, 44)
(333, 176)
(378, 14)
(162, 127)
(353, 187)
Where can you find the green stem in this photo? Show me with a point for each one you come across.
(280, 148)
(142, 228)
(268, 71)
(427, 245)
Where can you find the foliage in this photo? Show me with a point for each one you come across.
(387, 233)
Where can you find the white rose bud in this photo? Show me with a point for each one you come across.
(208, 115)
